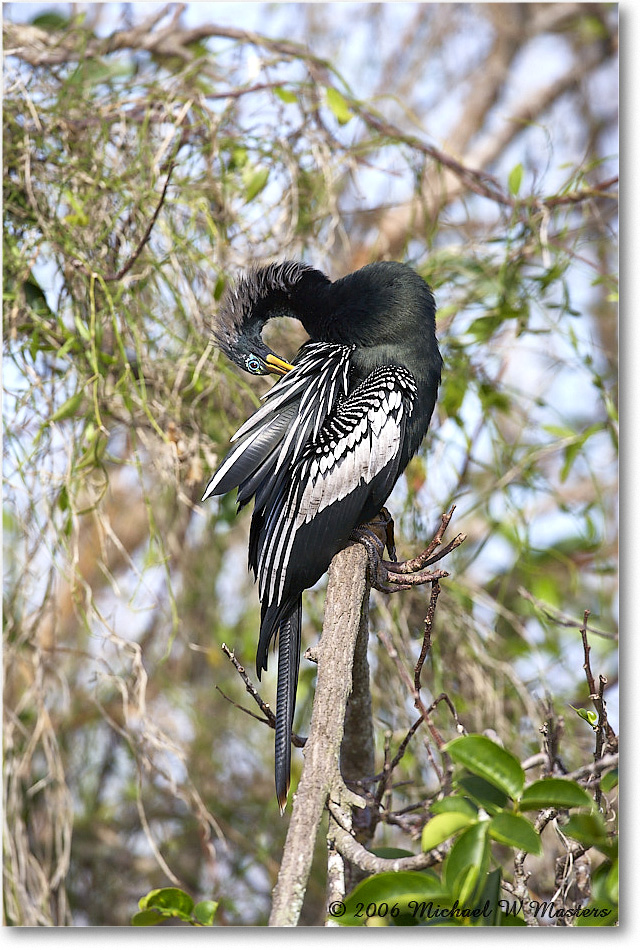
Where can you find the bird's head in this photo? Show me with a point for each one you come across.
(248, 351)
(246, 307)
(286, 288)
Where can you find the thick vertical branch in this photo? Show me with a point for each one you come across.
(358, 746)
(344, 607)
(357, 760)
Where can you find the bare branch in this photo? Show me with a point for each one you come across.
(356, 854)
(346, 595)
(127, 266)
(563, 620)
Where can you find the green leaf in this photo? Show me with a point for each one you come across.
(547, 588)
(515, 178)
(612, 882)
(590, 830)
(442, 827)
(588, 715)
(570, 454)
(452, 392)
(485, 758)
(572, 451)
(609, 781)
(338, 105)
(482, 328)
(83, 330)
(93, 454)
(96, 71)
(147, 918)
(554, 793)
(491, 894)
(285, 95)
(487, 796)
(51, 20)
(168, 899)
(80, 217)
(590, 28)
(492, 399)
(205, 911)
(511, 920)
(69, 408)
(467, 862)
(392, 853)
(255, 181)
(456, 803)
(35, 297)
(238, 158)
(395, 883)
(596, 914)
(560, 432)
(516, 832)
(34, 345)
(219, 287)
(604, 883)
(399, 888)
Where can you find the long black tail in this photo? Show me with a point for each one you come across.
(289, 654)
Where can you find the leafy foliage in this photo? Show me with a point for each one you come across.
(167, 903)
(468, 892)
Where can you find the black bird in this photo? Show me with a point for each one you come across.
(323, 452)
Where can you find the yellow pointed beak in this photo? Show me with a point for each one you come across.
(279, 366)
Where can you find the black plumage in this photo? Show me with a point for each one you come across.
(323, 452)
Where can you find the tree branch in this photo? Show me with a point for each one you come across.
(345, 600)
(354, 852)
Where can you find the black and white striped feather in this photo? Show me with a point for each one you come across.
(295, 407)
(320, 456)
(345, 466)
(318, 460)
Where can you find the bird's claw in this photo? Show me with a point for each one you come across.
(374, 549)
(386, 576)
(383, 526)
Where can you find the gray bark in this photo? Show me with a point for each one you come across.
(345, 617)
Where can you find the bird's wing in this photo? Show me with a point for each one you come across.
(292, 411)
(341, 477)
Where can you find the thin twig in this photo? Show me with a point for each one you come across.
(597, 695)
(587, 649)
(482, 183)
(270, 718)
(428, 622)
(576, 197)
(414, 564)
(389, 766)
(127, 266)
(405, 676)
(562, 620)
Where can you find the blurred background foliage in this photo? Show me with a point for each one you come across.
(152, 152)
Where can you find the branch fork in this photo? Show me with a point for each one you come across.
(392, 576)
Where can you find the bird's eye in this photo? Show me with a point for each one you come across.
(253, 365)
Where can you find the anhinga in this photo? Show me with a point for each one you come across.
(323, 452)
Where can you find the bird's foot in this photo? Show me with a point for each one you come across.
(383, 527)
(391, 576)
(374, 549)
(383, 576)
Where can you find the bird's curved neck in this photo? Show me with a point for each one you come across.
(290, 289)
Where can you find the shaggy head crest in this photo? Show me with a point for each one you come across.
(247, 303)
